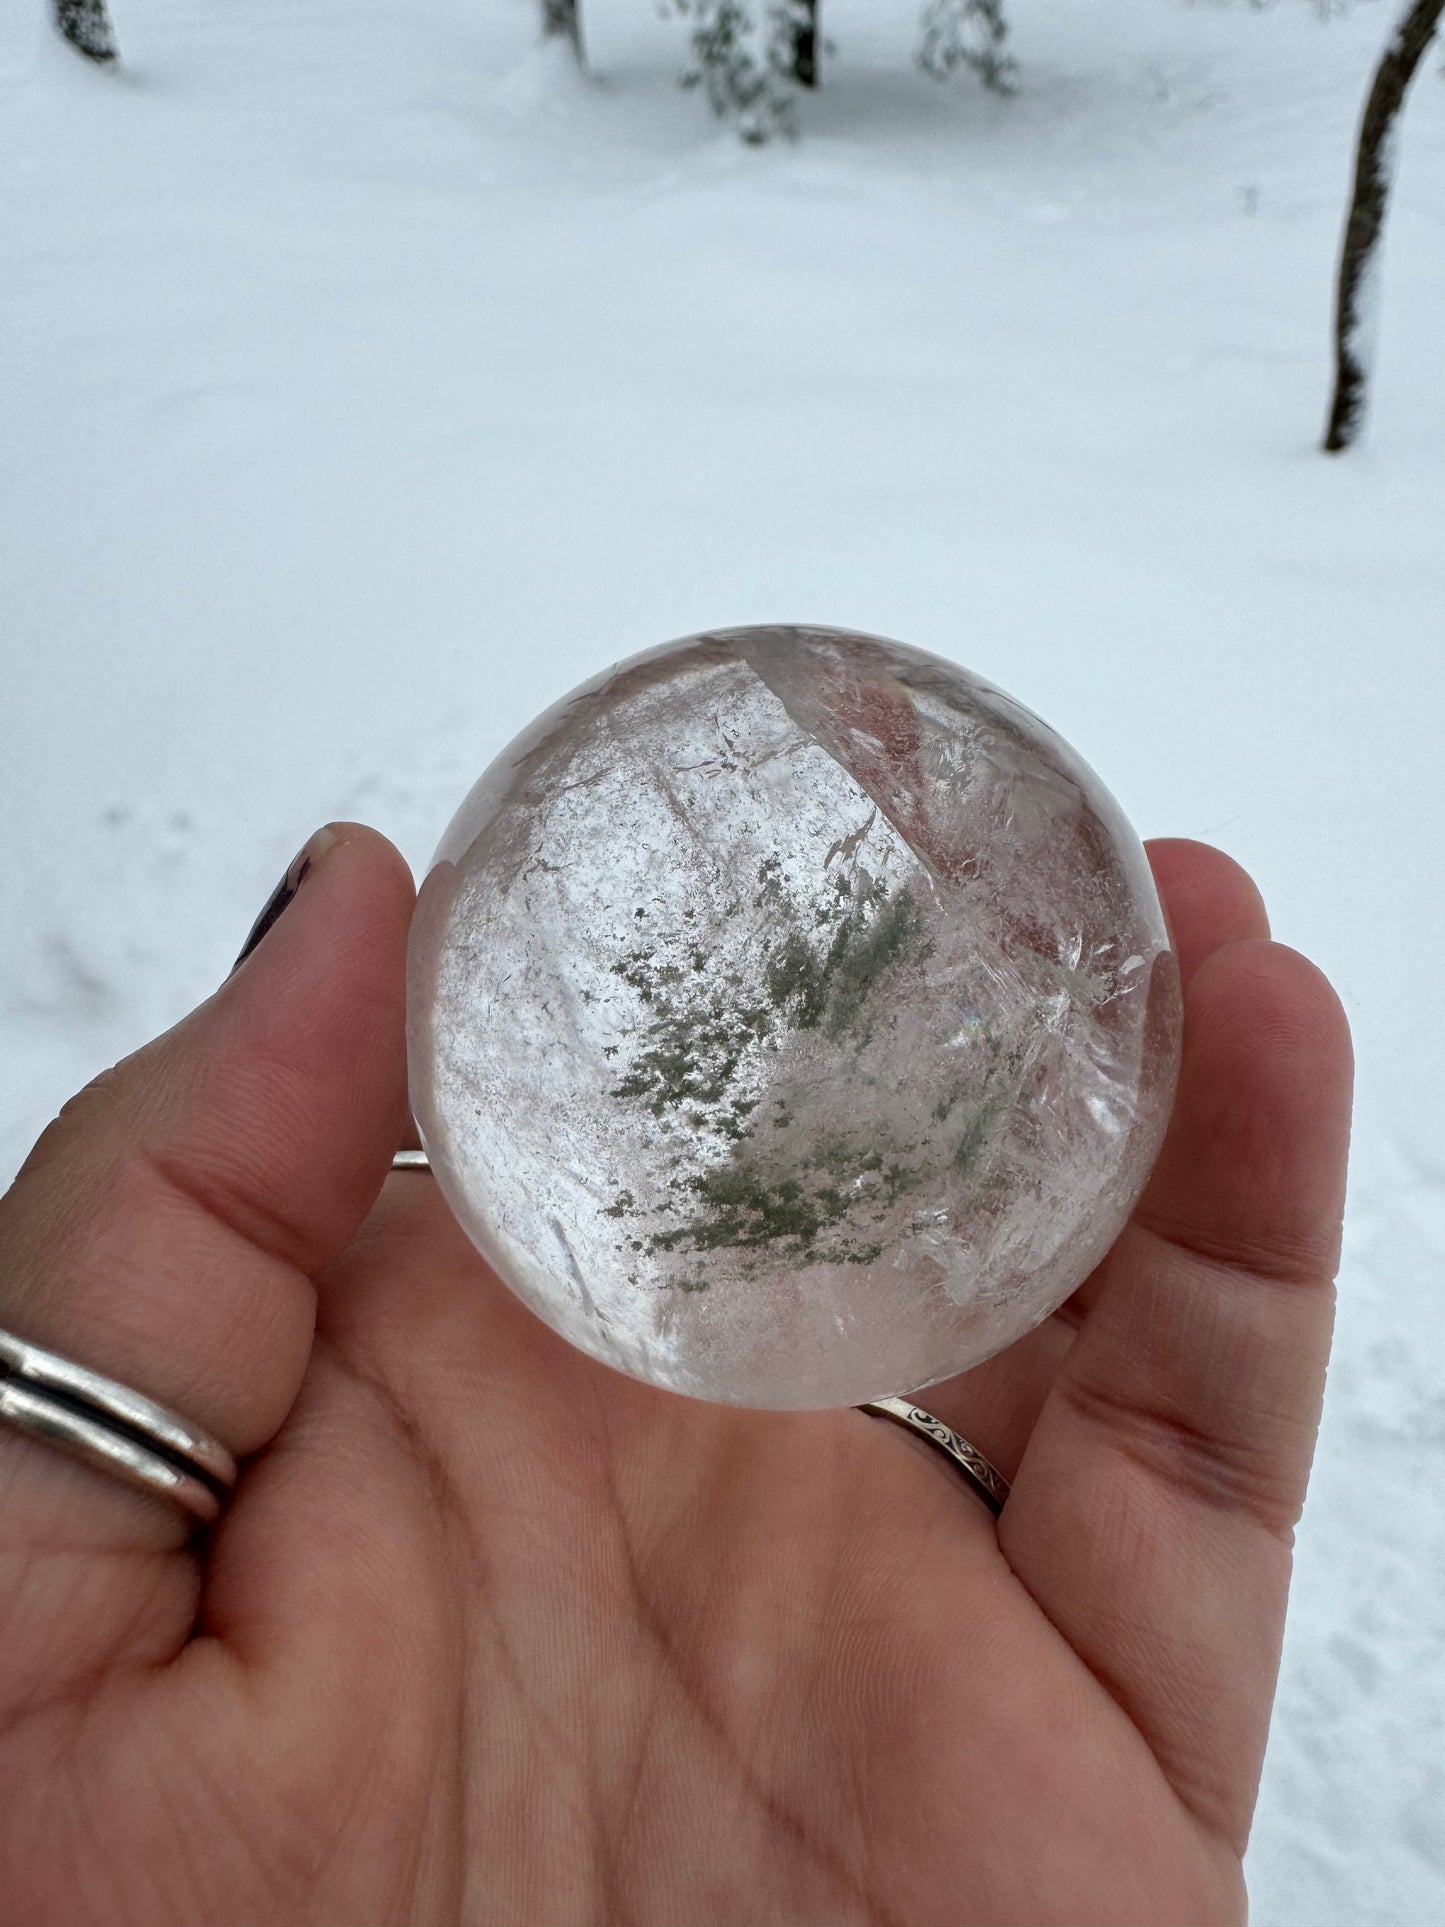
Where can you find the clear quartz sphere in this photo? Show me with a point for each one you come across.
(792, 1017)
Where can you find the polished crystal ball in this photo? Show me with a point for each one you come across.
(793, 1020)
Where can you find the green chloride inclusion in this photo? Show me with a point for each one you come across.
(805, 1196)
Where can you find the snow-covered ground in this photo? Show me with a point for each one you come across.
(368, 377)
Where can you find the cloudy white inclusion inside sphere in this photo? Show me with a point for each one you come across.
(793, 1020)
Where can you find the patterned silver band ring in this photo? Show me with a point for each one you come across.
(986, 1480)
(113, 1428)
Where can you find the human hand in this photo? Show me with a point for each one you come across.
(492, 1633)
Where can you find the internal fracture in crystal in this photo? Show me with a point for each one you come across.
(793, 1020)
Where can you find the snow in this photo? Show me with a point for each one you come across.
(368, 377)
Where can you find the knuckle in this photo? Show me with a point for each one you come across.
(1225, 1471)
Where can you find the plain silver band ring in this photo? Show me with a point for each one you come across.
(112, 1427)
(987, 1481)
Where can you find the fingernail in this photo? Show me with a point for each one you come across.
(297, 871)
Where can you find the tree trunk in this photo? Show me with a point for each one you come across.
(563, 18)
(805, 43)
(86, 25)
(1374, 171)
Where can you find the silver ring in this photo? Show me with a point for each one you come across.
(986, 1480)
(988, 1483)
(112, 1427)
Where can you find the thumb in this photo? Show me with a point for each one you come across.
(166, 1228)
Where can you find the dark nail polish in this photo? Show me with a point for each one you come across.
(297, 872)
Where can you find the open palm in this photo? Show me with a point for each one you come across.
(493, 1634)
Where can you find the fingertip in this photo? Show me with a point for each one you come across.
(345, 905)
(1253, 1168)
(304, 1046)
(1209, 898)
(1261, 1002)
(379, 865)
(1290, 988)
